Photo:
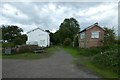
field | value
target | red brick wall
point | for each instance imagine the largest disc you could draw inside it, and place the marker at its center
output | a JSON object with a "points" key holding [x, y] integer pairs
{"points": [[90, 42]]}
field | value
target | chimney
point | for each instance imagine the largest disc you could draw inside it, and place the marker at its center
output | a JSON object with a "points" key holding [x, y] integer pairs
{"points": [[96, 24]]}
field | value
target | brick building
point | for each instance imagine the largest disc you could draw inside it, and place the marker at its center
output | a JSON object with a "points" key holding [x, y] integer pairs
{"points": [[91, 36]]}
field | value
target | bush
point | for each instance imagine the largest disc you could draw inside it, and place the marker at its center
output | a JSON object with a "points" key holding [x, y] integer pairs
{"points": [[96, 50], [10, 44], [89, 51], [67, 42], [108, 59]]}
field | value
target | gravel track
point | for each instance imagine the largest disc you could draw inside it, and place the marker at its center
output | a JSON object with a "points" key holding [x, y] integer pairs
{"points": [[58, 65]]}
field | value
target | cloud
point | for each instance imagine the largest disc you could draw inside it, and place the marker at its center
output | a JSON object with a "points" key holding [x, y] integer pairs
{"points": [[49, 15], [11, 11]]}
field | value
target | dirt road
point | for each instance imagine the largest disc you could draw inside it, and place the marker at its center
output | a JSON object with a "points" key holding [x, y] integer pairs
{"points": [[58, 65]]}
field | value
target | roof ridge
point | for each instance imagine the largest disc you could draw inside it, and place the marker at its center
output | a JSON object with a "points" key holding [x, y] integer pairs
{"points": [[35, 29], [95, 24]]}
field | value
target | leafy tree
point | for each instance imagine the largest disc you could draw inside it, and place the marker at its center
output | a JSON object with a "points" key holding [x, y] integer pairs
{"points": [[67, 42], [9, 32], [68, 29], [12, 33], [76, 41], [21, 39], [0, 34], [109, 36], [56, 37]]}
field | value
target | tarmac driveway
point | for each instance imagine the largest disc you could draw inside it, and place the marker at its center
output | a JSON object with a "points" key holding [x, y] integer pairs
{"points": [[57, 66]]}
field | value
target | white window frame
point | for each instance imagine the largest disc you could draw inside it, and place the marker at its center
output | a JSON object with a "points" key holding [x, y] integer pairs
{"points": [[95, 34]]}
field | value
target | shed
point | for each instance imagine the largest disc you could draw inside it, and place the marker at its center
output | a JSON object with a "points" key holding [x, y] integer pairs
{"points": [[38, 37]]}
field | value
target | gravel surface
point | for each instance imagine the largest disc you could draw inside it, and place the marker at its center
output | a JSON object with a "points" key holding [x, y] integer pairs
{"points": [[58, 65]]}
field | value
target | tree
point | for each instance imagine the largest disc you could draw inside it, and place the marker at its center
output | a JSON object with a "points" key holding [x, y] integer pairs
{"points": [[109, 36], [68, 29], [76, 41], [0, 34], [21, 39], [67, 42], [56, 37], [9, 32], [12, 33]]}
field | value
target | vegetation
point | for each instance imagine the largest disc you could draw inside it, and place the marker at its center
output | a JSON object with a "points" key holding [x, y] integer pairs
{"points": [[49, 52], [67, 42], [102, 60], [12, 34], [0, 55], [68, 29], [109, 36], [100, 65], [10, 44], [107, 59]]}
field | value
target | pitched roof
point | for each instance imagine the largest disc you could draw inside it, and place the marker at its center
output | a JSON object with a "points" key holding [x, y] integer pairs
{"points": [[96, 24], [36, 29]]}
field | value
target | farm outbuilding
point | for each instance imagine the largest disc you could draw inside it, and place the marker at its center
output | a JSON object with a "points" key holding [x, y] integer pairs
{"points": [[38, 37]]}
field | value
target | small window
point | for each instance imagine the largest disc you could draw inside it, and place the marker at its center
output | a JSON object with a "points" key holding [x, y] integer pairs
{"points": [[82, 35], [95, 34]]}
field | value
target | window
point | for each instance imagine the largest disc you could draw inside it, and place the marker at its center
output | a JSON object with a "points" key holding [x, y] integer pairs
{"points": [[82, 35], [95, 34]]}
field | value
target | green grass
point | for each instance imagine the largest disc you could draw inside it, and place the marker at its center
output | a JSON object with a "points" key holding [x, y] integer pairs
{"points": [[49, 52], [86, 61], [102, 72], [74, 52]]}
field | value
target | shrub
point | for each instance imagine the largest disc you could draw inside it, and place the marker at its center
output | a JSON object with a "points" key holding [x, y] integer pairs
{"points": [[89, 51], [10, 44], [67, 42], [107, 59]]}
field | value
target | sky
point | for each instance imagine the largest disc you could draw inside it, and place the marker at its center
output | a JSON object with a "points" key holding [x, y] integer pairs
{"points": [[49, 15]]}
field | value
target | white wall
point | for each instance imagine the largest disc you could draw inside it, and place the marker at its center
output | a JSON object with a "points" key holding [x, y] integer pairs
{"points": [[38, 37]]}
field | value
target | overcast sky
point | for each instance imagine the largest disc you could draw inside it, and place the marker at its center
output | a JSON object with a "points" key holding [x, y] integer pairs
{"points": [[49, 15]]}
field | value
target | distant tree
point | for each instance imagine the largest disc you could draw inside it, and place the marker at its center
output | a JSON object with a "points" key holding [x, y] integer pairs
{"points": [[0, 34], [21, 39], [9, 32], [76, 42], [56, 38], [12, 33], [109, 36], [68, 29], [67, 42]]}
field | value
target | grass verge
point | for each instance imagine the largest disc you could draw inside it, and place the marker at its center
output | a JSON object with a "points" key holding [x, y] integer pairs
{"points": [[49, 52], [102, 72], [87, 62]]}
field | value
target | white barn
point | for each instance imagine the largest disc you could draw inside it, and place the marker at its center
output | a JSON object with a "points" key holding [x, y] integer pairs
{"points": [[38, 37]]}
